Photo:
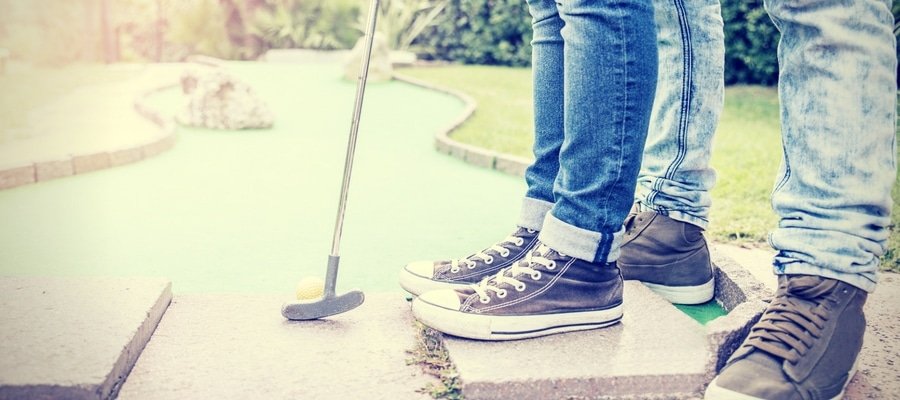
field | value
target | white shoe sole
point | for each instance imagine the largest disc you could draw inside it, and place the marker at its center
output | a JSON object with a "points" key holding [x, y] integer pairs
{"points": [[493, 327], [716, 392], [685, 294], [416, 285]]}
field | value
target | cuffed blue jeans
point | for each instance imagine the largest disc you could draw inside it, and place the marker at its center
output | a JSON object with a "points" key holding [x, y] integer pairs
{"points": [[595, 67], [838, 99]]}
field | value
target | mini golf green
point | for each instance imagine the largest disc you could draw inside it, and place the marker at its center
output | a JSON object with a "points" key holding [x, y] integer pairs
{"points": [[253, 211]]}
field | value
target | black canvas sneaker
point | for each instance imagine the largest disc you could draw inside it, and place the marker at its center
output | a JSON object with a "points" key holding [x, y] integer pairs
{"points": [[668, 256], [421, 276], [803, 348], [547, 292]]}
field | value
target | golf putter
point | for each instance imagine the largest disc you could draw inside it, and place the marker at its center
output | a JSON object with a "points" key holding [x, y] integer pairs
{"points": [[330, 303]]}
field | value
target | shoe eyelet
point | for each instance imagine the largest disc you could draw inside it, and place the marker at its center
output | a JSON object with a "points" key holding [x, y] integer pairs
{"points": [[454, 270], [484, 300], [536, 275], [520, 242], [471, 266], [552, 265], [520, 288], [530, 230], [502, 293], [504, 253], [489, 260]]}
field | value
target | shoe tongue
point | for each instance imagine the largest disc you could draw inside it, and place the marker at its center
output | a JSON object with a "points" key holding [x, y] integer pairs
{"points": [[809, 286], [546, 252], [523, 232]]}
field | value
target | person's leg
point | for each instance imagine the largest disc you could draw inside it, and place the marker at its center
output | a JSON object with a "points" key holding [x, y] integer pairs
{"points": [[664, 245], [838, 96], [547, 69], [570, 282], [548, 75], [609, 81], [676, 177]]}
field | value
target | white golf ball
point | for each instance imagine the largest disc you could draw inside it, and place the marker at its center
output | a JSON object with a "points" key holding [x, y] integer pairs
{"points": [[310, 288]]}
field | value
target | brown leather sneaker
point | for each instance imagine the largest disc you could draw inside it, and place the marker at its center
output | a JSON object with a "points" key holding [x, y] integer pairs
{"points": [[421, 276], [803, 348], [668, 256], [546, 293]]}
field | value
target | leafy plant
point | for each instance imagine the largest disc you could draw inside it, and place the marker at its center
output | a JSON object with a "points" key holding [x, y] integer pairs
{"points": [[490, 32], [431, 355], [198, 26], [310, 24], [751, 40], [402, 21]]}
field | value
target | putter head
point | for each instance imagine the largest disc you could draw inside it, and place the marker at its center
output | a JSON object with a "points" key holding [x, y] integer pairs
{"points": [[323, 307]]}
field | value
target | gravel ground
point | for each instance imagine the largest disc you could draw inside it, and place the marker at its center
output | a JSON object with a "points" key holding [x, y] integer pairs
{"points": [[881, 352]]}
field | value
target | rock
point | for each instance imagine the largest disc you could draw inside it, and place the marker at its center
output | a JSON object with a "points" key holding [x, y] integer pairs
{"points": [[218, 100], [380, 69]]}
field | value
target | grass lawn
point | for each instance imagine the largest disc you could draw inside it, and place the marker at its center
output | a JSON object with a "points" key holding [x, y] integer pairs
{"points": [[747, 147], [23, 90]]}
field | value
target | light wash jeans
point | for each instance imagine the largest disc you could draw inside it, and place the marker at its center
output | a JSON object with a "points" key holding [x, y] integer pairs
{"points": [[676, 177], [595, 68], [838, 93], [838, 99]]}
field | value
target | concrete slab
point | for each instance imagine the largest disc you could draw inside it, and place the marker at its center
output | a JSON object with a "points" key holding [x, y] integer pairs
{"points": [[655, 351], [74, 338], [756, 261], [240, 347]]}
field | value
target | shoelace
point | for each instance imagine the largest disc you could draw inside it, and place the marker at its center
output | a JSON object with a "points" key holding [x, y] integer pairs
{"points": [[509, 274], [498, 247], [791, 325]]}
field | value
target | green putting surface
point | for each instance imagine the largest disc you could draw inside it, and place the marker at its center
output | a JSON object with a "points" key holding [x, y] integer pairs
{"points": [[253, 211], [703, 313]]}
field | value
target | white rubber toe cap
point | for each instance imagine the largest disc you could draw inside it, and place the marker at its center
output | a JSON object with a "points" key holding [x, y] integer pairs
{"points": [[442, 298], [421, 268]]}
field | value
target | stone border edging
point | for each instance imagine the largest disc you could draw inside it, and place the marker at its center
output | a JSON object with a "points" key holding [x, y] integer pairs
{"points": [[83, 163], [470, 154], [745, 298]]}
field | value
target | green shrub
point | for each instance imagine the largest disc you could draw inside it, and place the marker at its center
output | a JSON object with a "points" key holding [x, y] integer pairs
{"points": [[310, 24], [492, 32], [198, 27], [402, 21], [751, 40], [498, 32]]}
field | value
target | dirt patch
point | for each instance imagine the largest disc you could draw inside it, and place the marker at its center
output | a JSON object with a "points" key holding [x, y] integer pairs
{"points": [[881, 350]]}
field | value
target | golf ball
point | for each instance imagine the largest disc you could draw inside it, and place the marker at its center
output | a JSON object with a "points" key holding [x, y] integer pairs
{"points": [[310, 288]]}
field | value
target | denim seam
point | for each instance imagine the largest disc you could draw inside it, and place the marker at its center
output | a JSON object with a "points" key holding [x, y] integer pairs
{"points": [[687, 83], [787, 171], [604, 249], [624, 112]]}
